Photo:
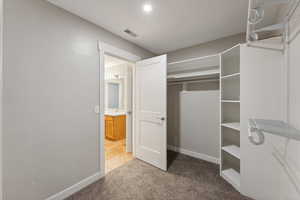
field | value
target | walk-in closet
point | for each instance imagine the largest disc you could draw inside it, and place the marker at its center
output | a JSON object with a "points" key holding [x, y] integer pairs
{"points": [[193, 107], [204, 110]]}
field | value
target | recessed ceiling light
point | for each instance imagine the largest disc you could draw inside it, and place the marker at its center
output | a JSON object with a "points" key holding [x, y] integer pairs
{"points": [[147, 8]]}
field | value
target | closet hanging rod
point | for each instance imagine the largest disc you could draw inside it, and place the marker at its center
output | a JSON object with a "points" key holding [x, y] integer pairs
{"points": [[193, 81]]}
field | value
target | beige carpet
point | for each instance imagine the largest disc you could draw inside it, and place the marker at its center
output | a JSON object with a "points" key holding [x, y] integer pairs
{"points": [[187, 179]]}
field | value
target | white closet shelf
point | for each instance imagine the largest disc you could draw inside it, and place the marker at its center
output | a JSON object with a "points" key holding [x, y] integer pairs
{"points": [[233, 177], [258, 10], [212, 72], [230, 116], [233, 125], [232, 150], [231, 76], [230, 101], [279, 28], [194, 64]]}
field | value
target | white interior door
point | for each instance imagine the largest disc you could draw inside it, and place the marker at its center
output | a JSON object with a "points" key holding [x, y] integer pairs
{"points": [[150, 100]]}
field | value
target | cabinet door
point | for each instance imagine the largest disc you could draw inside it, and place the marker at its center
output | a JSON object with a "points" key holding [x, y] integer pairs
{"points": [[120, 127], [109, 128]]}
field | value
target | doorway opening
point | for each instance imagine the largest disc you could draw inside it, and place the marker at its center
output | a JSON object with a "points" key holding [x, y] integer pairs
{"points": [[118, 112], [138, 97]]}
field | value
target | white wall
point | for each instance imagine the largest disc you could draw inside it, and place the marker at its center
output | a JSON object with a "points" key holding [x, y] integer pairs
{"points": [[268, 180], [51, 85], [1, 86], [289, 191], [262, 96]]}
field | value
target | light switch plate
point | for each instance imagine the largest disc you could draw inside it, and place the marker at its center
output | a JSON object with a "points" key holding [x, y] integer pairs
{"points": [[97, 109]]}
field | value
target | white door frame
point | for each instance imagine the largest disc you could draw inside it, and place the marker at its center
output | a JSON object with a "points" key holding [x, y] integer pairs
{"points": [[120, 53], [1, 96]]}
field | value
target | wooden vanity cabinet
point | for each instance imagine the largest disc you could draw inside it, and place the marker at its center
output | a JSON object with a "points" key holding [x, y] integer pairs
{"points": [[115, 127]]}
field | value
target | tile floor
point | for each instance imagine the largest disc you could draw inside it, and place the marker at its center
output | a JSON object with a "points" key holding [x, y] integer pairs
{"points": [[115, 154]]}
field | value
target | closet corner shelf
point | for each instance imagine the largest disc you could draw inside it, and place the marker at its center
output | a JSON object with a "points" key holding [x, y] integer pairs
{"points": [[233, 177], [233, 125], [231, 76], [232, 150], [230, 101], [275, 127]]}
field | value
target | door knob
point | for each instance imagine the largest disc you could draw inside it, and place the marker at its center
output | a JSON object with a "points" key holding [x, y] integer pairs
{"points": [[161, 118]]}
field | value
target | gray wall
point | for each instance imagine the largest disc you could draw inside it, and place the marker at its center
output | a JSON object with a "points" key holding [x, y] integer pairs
{"points": [[212, 47], [51, 85]]}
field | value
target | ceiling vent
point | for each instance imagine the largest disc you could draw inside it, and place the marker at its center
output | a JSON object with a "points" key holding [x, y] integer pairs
{"points": [[129, 32]]}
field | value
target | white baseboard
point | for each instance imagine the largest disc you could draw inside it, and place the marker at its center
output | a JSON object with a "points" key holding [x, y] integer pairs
{"points": [[77, 187], [194, 154]]}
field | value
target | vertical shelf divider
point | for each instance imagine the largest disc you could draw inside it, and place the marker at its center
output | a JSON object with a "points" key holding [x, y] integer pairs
{"points": [[230, 116]]}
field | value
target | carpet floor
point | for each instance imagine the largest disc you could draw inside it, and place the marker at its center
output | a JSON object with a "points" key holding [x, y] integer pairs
{"points": [[186, 179]]}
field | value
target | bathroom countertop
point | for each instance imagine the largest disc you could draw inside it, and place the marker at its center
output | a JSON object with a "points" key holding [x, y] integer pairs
{"points": [[115, 113]]}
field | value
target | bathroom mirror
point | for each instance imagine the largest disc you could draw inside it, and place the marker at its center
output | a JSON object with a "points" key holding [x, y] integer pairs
{"points": [[114, 94]]}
